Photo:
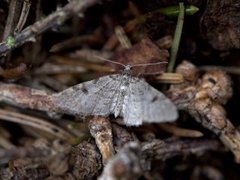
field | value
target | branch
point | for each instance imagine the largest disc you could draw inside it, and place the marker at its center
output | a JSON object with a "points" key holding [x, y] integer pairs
{"points": [[55, 19]]}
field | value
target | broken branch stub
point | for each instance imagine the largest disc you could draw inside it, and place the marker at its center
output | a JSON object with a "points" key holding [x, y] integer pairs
{"points": [[100, 128]]}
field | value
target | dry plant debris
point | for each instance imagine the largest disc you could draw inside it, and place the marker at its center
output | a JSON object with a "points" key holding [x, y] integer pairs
{"points": [[47, 47], [204, 102]]}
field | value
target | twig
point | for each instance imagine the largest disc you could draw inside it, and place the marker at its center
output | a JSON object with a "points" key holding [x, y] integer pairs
{"points": [[33, 99], [23, 16], [5, 143], [163, 150], [177, 131], [122, 37], [172, 78], [100, 128], [50, 68], [36, 123], [55, 19], [13, 14]]}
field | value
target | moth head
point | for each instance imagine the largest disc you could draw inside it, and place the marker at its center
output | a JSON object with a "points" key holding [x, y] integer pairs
{"points": [[127, 69]]}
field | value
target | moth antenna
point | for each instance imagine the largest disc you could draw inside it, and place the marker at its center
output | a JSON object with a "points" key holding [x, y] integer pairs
{"points": [[107, 60], [148, 64]]}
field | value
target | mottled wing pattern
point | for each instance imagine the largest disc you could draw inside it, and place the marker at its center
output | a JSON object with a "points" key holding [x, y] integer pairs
{"points": [[143, 103], [89, 98]]}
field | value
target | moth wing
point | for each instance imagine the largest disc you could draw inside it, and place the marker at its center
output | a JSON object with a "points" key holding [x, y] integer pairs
{"points": [[143, 103], [132, 106], [89, 98]]}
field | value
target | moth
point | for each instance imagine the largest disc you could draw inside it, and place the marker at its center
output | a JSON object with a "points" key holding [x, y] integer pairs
{"points": [[124, 95]]}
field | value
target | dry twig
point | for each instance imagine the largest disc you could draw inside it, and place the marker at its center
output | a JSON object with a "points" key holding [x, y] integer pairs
{"points": [[36, 123], [55, 19]]}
